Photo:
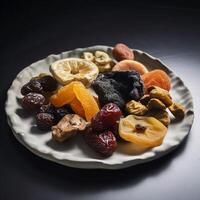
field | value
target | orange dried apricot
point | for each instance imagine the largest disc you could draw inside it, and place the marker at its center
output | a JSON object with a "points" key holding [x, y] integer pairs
{"points": [[77, 107], [64, 95], [156, 78], [87, 101]]}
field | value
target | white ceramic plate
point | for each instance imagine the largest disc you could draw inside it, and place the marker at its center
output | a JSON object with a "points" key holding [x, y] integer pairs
{"points": [[75, 152]]}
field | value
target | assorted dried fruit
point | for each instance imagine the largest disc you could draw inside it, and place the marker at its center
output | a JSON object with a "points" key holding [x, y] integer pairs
{"points": [[129, 65], [67, 127], [74, 69], [42, 84], [118, 87], [142, 130], [125, 101], [156, 78], [101, 59], [122, 52]]}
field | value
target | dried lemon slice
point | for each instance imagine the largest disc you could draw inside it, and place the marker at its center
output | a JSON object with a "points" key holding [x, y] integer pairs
{"points": [[143, 131], [74, 69]]}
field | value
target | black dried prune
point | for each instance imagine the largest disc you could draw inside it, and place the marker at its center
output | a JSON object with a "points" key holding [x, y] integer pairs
{"points": [[45, 121], [48, 83], [33, 101], [118, 87], [104, 143]]}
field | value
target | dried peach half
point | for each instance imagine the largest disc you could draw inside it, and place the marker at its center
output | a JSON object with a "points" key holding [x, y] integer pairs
{"points": [[156, 78], [141, 130]]}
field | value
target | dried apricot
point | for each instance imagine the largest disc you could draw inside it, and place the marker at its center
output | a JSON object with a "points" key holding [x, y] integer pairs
{"points": [[87, 101], [77, 107], [64, 95], [156, 78]]}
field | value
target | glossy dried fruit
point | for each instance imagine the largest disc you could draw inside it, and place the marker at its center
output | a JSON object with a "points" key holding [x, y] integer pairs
{"points": [[136, 108], [33, 101], [129, 65], [177, 110], [41, 84], [48, 108], [122, 52], [118, 87], [156, 78], [104, 143], [87, 101], [45, 121], [32, 86], [106, 118], [48, 83]]}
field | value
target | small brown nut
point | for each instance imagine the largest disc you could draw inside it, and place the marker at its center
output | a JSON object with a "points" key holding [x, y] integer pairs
{"points": [[136, 108], [156, 104], [67, 127], [162, 95], [177, 110], [145, 99], [122, 52], [161, 115]]}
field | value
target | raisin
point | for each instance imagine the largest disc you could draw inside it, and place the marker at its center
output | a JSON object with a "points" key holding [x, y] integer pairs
{"points": [[45, 121], [104, 144], [48, 83], [49, 108], [118, 87], [33, 101], [62, 111], [106, 117]]}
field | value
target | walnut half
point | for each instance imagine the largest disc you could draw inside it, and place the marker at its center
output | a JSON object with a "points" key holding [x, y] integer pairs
{"points": [[67, 127]]}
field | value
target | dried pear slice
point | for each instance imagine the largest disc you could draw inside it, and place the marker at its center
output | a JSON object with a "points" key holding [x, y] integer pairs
{"points": [[143, 131], [74, 69]]}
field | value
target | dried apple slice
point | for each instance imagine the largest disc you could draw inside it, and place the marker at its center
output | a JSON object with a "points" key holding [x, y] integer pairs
{"points": [[143, 131]]}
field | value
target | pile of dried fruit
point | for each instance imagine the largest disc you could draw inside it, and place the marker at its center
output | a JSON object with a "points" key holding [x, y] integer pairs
{"points": [[125, 101]]}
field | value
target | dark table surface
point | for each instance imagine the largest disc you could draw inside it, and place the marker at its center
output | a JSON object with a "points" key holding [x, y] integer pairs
{"points": [[169, 32]]}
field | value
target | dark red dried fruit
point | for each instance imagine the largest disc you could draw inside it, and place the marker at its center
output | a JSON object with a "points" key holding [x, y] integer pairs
{"points": [[32, 86], [105, 143], [41, 85], [106, 117], [48, 83], [122, 52], [33, 101], [49, 108], [45, 121]]}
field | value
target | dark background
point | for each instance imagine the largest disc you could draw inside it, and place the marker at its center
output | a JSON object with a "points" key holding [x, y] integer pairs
{"points": [[32, 30]]}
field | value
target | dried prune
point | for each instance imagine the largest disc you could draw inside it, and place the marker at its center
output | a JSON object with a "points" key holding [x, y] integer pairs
{"points": [[45, 121], [118, 87], [104, 144], [48, 83], [106, 117], [33, 101], [41, 85], [32, 86]]}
